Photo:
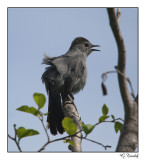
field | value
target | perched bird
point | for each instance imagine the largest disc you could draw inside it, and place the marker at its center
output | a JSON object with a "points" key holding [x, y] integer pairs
{"points": [[65, 75]]}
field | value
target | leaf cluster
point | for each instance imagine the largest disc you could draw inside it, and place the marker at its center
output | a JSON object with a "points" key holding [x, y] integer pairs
{"points": [[117, 125], [40, 100]]}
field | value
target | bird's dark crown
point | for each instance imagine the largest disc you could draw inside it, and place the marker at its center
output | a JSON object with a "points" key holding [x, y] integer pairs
{"points": [[79, 40]]}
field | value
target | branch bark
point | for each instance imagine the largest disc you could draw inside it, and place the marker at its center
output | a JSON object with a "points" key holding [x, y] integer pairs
{"points": [[129, 136], [70, 111]]}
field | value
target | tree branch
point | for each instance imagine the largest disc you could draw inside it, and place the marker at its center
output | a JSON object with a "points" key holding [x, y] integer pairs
{"points": [[129, 136], [45, 129], [15, 139], [70, 111], [105, 147], [104, 77], [121, 56], [59, 139]]}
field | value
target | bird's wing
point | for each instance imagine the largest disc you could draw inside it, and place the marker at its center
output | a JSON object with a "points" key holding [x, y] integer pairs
{"points": [[61, 63], [65, 64]]}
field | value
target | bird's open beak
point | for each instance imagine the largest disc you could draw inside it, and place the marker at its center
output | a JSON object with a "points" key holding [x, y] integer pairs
{"points": [[95, 46]]}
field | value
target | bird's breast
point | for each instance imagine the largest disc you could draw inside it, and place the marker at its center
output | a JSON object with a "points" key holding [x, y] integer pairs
{"points": [[79, 78]]}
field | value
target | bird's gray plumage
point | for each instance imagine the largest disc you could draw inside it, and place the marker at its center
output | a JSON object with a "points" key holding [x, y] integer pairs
{"points": [[66, 75]]}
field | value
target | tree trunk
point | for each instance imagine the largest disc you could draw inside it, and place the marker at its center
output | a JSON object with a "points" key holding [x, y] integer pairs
{"points": [[129, 136]]}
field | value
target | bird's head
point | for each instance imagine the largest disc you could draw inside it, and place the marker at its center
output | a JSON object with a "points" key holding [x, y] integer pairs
{"points": [[83, 45]]}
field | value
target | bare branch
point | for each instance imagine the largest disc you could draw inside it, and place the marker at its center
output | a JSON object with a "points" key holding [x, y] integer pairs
{"points": [[45, 129], [112, 121], [105, 147], [59, 139], [104, 77], [48, 142], [15, 138], [129, 136], [121, 58]]}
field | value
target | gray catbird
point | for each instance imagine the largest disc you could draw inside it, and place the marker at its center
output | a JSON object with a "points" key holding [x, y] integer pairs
{"points": [[66, 75]]}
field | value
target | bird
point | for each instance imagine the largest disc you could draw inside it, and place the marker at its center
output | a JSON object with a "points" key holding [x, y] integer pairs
{"points": [[64, 76]]}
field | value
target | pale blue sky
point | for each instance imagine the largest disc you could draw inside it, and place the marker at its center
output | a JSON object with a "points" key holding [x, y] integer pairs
{"points": [[35, 31]]}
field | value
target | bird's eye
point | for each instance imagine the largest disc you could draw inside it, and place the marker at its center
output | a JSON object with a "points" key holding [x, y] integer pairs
{"points": [[86, 45]]}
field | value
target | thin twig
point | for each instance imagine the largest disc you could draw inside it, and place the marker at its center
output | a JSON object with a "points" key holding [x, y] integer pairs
{"points": [[15, 130], [114, 120], [55, 140], [42, 121], [128, 80], [59, 139], [119, 119], [104, 77], [15, 139], [105, 147], [132, 90], [85, 138]]}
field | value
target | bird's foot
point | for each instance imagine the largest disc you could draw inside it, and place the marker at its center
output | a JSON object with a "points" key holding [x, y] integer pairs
{"points": [[70, 101]]}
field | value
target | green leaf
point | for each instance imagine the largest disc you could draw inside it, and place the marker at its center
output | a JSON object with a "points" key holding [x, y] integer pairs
{"points": [[69, 126], [118, 126], [69, 141], [105, 110], [40, 99], [113, 117], [102, 118], [22, 132], [87, 128], [27, 109]]}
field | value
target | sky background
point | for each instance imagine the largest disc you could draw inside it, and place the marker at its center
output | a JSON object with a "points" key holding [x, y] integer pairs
{"points": [[35, 31]]}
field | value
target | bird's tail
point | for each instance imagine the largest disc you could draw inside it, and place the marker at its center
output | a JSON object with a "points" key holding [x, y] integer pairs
{"points": [[55, 115]]}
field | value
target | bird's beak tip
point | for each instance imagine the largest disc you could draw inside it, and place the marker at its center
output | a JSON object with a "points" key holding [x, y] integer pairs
{"points": [[95, 46]]}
